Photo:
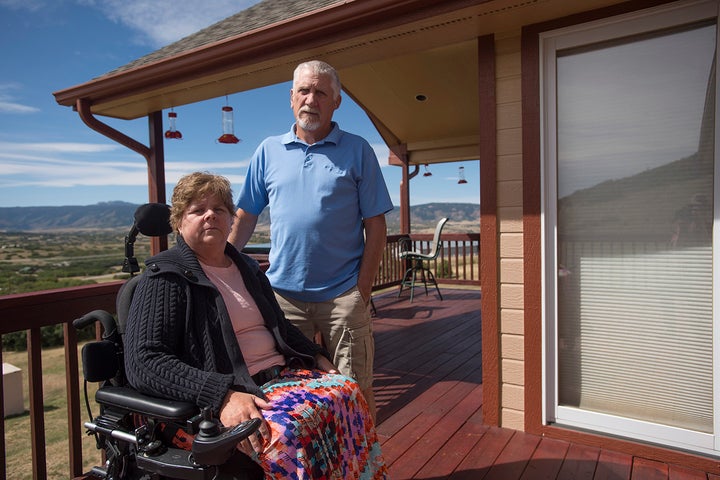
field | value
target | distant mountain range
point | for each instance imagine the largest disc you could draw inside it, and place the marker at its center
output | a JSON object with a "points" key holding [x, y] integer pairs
{"points": [[116, 215], [101, 215]]}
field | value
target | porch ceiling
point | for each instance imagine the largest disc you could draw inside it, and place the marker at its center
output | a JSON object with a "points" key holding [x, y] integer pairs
{"points": [[388, 52]]}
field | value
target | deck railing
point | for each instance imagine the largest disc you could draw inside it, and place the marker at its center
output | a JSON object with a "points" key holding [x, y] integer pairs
{"points": [[457, 264], [31, 312]]}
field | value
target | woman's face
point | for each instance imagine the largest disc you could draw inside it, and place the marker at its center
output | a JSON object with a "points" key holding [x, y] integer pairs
{"points": [[206, 224]]}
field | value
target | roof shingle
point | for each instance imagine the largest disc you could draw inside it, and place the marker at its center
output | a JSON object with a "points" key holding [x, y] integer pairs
{"points": [[260, 15]]}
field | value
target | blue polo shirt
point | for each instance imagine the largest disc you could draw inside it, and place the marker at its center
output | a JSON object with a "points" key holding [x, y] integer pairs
{"points": [[318, 195]]}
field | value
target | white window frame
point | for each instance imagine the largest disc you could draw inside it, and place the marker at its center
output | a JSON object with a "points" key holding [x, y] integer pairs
{"points": [[666, 16]]}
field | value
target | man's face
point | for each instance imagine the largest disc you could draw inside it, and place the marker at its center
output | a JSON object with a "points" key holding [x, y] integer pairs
{"points": [[313, 101]]}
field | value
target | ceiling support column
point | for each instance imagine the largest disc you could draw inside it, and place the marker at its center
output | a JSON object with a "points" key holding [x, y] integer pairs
{"points": [[399, 156], [156, 171], [489, 235]]}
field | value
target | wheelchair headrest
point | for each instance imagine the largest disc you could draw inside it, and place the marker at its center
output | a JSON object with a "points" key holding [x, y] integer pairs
{"points": [[153, 219]]}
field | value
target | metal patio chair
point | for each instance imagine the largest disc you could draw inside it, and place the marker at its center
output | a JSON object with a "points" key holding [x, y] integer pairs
{"points": [[417, 263]]}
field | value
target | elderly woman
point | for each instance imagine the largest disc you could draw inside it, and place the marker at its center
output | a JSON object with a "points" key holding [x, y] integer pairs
{"points": [[204, 327]]}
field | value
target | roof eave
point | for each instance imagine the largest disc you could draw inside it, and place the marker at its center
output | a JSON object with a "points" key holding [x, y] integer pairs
{"points": [[297, 34]]}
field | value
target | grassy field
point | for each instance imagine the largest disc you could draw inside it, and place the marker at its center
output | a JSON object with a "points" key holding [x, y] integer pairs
{"points": [[17, 428], [32, 261]]}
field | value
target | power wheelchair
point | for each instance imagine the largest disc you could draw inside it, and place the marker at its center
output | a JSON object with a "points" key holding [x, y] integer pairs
{"points": [[129, 426]]}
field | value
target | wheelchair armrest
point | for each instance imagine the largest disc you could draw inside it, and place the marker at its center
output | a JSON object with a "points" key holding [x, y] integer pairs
{"points": [[160, 408]]}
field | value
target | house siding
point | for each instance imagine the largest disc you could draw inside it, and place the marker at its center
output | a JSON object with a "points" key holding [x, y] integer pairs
{"points": [[510, 226]]}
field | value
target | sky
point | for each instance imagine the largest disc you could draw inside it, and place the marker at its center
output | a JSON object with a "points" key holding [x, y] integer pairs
{"points": [[48, 157]]}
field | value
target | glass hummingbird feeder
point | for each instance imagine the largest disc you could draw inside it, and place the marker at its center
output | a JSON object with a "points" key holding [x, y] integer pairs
{"points": [[461, 175], [228, 135], [172, 131]]}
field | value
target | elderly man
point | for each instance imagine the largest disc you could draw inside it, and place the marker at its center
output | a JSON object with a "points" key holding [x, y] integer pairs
{"points": [[327, 201]]}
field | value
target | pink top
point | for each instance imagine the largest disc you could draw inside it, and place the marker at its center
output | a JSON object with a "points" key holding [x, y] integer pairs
{"points": [[256, 341]]}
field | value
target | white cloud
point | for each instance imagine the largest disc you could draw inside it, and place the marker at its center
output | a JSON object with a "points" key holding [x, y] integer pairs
{"points": [[57, 147], [92, 164], [8, 103], [172, 177], [382, 152], [59, 173], [209, 166], [164, 21], [32, 5], [67, 164], [11, 107]]}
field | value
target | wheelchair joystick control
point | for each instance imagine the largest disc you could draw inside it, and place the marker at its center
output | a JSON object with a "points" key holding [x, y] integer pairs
{"points": [[214, 444], [208, 426]]}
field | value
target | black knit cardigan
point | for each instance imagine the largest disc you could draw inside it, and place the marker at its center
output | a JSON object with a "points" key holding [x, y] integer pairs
{"points": [[179, 341]]}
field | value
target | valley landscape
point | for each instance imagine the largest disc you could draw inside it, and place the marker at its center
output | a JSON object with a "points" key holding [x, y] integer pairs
{"points": [[45, 248]]}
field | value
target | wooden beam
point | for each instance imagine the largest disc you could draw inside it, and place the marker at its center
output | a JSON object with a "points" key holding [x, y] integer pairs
{"points": [[489, 251], [156, 172]]}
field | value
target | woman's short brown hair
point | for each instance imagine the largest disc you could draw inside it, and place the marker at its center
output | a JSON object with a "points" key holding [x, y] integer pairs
{"points": [[197, 185]]}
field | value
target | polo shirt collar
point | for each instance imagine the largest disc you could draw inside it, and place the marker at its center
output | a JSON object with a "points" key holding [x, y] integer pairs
{"points": [[332, 137]]}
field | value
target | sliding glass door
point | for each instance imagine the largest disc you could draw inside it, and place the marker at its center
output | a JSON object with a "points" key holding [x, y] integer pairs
{"points": [[629, 110]]}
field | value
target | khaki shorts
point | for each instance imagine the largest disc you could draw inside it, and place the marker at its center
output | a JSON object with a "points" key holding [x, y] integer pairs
{"points": [[346, 327]]}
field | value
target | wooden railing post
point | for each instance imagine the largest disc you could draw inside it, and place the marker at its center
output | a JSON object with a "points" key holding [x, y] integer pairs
{"points": [[3, 460], [73, 400], [37, 410]]}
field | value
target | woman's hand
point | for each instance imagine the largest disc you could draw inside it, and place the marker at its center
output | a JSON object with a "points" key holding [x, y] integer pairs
{"points": [[324, 364], [239, 407]]}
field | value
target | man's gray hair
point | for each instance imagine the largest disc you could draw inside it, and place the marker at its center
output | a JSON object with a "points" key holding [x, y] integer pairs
{"points": [[319, 67]]}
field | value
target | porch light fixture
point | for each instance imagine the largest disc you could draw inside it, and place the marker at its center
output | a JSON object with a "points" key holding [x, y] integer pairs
{"points": [[172, 131], [228, 135], [461, 175], [427, 173]]}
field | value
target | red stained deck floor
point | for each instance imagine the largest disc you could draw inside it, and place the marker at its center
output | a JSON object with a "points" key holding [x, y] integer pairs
{"points": [[429, 398]]}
